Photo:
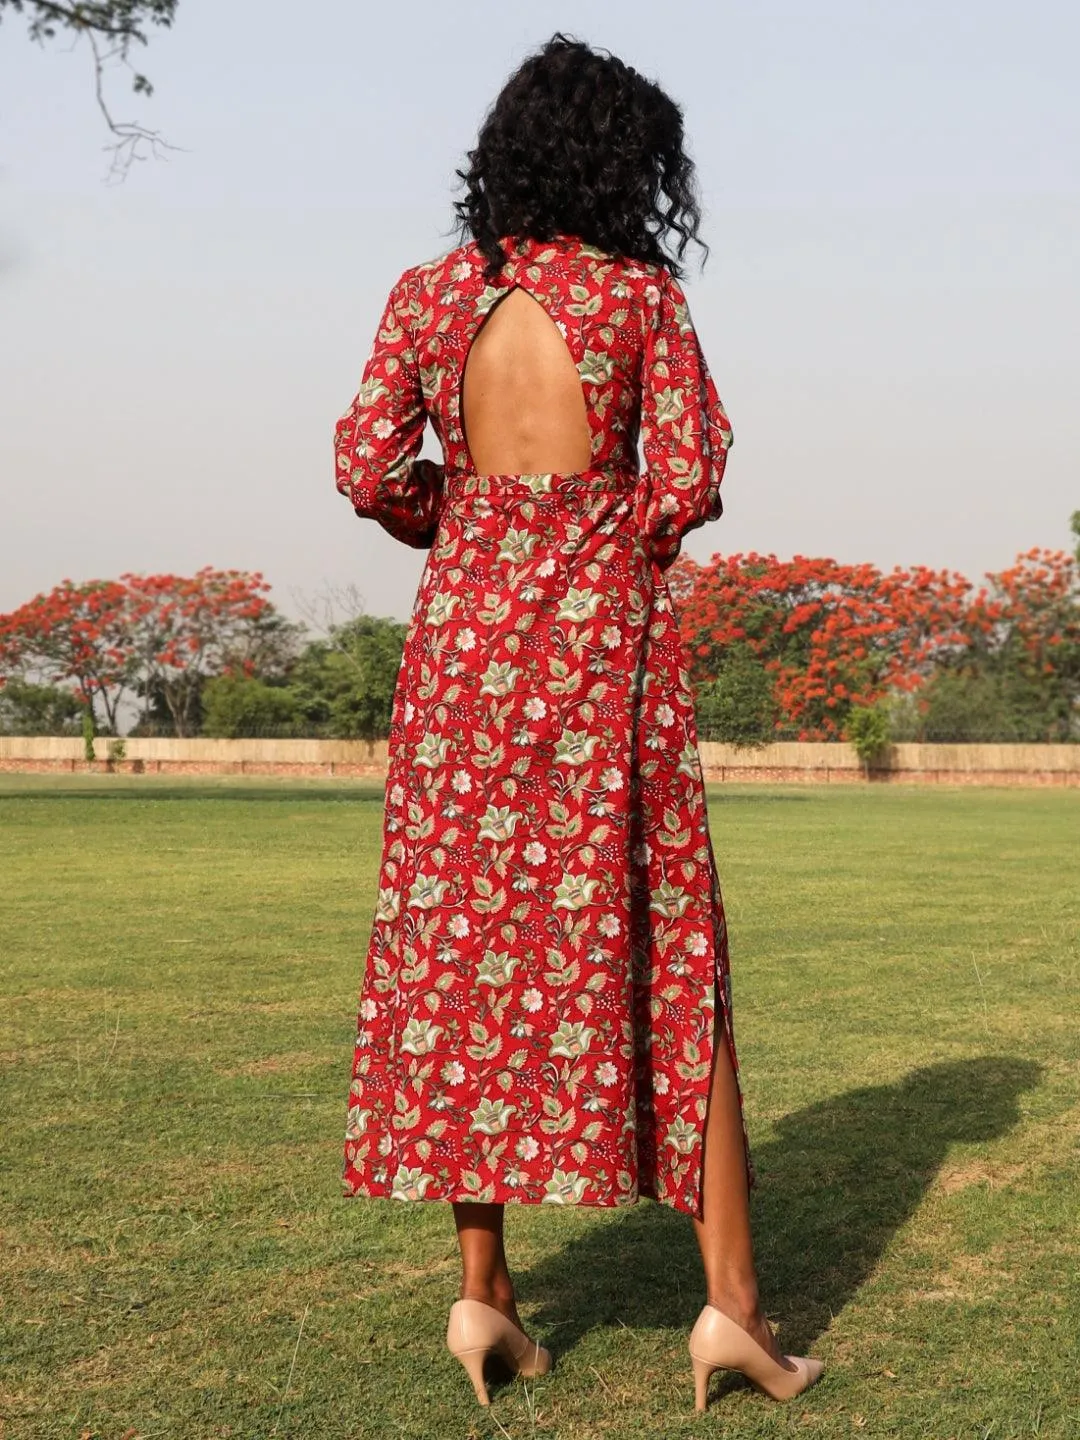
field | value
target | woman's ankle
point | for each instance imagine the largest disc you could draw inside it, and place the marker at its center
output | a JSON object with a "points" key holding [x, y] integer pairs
{"points": [[500, 1298], [740, 1303], [498, 1291]]}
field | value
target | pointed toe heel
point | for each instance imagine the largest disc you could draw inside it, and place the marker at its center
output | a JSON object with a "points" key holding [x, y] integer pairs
{"points": [[475, 1331], [719, 1343]]}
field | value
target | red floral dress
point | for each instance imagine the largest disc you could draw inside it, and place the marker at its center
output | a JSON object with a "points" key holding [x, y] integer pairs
{"points": [[549, 952]]}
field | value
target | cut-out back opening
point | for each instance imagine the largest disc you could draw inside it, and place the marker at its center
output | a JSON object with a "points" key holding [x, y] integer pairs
{"points": [[522, 406]]}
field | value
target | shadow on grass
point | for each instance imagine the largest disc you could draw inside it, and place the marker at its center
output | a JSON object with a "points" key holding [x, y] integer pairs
{"points": [[361, 790], [282, 792], [834, 1185]]}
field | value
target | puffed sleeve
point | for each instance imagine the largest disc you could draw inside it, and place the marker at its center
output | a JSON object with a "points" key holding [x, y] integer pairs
{"points": [[685, 434], [377, 440]]}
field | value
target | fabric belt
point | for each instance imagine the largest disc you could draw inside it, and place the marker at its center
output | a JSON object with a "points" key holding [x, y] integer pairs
{"points": [[466, 484]]}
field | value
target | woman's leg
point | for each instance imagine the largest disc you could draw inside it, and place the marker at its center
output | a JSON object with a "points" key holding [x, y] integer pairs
{"points": [[723, 1232], [485, 1275]]}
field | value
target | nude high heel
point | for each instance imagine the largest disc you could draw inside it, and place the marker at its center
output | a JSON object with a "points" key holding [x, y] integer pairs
{"points": [[718, 1342], [476, 1330]]}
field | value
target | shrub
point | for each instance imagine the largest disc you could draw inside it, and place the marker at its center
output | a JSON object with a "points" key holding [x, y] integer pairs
{"points": [[868, 732], [235, 706], [738, 707], [88, 735]]}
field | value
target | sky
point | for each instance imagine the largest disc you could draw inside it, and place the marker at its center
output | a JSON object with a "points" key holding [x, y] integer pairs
{"points": [[890, 307]]}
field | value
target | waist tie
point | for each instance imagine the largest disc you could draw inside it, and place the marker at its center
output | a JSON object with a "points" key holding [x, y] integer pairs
{"points": [[466, 484]]}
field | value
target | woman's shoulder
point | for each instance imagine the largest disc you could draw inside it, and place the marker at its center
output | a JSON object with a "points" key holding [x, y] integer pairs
{"points": [[467, 260], [595, 280], [457, 264]]}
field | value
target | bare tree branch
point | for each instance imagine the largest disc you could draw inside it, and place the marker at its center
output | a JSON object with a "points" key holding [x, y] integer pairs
{"points": [[134, 142], [328, 611], [110, 27]]}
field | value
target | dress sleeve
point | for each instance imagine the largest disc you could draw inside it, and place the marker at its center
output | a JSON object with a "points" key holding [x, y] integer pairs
{"points": [[685, 434], [377, 440]]}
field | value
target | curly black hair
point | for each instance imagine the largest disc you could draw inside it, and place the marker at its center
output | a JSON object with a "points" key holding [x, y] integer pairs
{"points": [[579, 143]]}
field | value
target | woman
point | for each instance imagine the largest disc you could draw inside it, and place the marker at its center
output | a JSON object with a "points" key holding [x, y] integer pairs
{"points": [[546, 1009]]}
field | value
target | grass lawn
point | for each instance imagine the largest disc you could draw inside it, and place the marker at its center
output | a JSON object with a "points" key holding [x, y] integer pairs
{"points": [[179, 963]]}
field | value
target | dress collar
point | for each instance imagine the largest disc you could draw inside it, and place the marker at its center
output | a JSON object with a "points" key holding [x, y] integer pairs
{"points": [[524, 243]]}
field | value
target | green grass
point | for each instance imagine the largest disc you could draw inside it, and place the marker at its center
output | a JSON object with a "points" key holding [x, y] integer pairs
{"points": [[180, 962]]}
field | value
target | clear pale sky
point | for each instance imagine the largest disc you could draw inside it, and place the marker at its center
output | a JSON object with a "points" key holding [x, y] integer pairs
{"points": [[891, 308]]}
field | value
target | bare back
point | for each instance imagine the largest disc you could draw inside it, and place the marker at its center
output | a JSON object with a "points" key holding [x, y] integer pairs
{"points": [[522, 405]]}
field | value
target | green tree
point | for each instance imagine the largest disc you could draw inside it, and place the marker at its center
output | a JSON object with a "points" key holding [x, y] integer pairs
{"points": [[738, 707], [237, 706], [344, 685], [27, 709], [981, 703]]}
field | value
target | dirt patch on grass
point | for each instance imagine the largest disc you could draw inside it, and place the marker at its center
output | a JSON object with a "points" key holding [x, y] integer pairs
{"points": [[1037, 1146], [995, 1174], [967, 1277], [33, 1055]]}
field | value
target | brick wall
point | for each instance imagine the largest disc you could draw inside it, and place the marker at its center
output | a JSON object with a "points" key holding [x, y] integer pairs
{"points": [[785, 762]]}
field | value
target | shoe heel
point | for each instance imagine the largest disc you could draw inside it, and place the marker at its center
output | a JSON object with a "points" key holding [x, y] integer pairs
{"points": [[702, 1371], [473, 1360]]}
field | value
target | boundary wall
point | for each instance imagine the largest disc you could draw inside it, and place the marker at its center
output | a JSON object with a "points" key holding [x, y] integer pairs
{"points": [[784, 762]]}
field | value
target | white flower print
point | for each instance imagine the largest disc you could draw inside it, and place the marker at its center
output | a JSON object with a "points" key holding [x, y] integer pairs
{"points": [[534, 853]]}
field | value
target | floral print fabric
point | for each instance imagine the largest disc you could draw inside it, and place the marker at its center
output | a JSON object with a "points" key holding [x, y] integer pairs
{"points": [[548, 957]]}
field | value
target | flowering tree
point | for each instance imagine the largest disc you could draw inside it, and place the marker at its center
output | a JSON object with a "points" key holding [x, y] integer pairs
{"points": [[775, 647], [157, 636], [75, 634], [185, 629], [830, 636], [1024, 633]]}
